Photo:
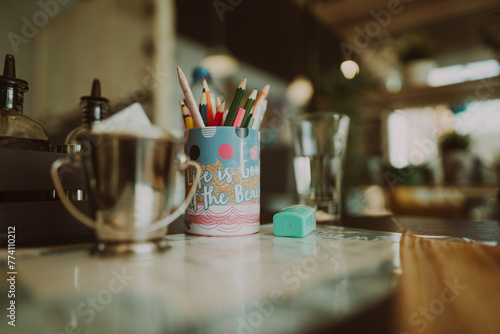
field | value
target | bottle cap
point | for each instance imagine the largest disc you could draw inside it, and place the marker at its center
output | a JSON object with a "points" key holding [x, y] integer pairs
{"points": [[95, 94], [201, 72], [9, 74], [95, 107]]}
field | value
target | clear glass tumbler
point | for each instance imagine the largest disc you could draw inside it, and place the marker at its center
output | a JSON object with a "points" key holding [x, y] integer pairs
{"points": [[320, 141]]}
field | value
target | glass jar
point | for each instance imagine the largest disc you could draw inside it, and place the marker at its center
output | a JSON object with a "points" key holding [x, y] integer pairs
{"points": [[17, 130]]}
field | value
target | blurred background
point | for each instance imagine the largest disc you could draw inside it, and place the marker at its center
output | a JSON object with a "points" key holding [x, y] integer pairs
{"points": [[419, 79]]}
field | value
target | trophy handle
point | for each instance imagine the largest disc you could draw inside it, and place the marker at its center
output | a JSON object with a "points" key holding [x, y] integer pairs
{"points": [[73, 210], [180, 210], [92, 223]]}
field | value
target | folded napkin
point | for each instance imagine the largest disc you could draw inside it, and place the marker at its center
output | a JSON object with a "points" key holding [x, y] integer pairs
{"points": [[132, 121]]}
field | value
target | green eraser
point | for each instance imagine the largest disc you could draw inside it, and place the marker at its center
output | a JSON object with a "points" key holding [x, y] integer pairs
{"points": [[294, 221]]}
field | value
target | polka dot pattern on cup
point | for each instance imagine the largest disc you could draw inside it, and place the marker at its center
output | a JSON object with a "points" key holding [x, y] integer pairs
{"points": [[226, 151], [254, 153], [194, 152]]}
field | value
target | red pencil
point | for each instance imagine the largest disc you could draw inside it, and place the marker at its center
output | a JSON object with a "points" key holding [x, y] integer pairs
{"points": [[219, 115]]}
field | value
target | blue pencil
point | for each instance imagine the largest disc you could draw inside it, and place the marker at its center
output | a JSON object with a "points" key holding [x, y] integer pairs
{"points": [[204, 107]]}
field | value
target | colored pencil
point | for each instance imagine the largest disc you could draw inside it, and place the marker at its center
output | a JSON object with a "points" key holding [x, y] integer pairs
{"points": [[238, 96], [217, 103], [250, 123], [224, 117], [219, 114], [222, 107], [190, 101], [248, 106], [188, 120], [218, 118], [258, 122], [189, 123], [210, 112], [184, 109], [239, 117], [257, 112], [204, 107], [263, 94]]}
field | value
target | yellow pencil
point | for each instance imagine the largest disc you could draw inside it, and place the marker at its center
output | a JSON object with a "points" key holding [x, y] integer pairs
{"points": [[189, 123], [188, 119]]}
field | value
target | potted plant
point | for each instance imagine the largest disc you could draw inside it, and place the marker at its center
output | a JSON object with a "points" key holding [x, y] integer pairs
{"points": [[415, 52], [458, 161]]}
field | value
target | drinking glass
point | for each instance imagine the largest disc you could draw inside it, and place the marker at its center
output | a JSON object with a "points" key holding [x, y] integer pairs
{"points": [[320, 140]]}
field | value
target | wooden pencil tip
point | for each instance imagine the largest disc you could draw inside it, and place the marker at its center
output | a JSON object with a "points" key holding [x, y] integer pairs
{"points": [[243, 83], [266, 88], [253, 95]]}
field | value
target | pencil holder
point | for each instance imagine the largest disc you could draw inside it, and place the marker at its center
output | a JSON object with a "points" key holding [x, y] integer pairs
{"points": [[227, 200]]}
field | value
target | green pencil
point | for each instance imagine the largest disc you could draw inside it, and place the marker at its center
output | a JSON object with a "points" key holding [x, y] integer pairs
{"points": [[235, 105], [248, 106], [250, 122]]}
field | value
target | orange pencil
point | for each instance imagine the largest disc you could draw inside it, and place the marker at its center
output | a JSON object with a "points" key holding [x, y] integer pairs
{"points": [[262, 95], [210, 113]]}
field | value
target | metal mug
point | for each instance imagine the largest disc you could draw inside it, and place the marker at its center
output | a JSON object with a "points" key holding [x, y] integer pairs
{"points": [[131, 182]]}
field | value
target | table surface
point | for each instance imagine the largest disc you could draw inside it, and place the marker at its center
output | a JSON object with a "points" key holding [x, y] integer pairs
{"points": [[485, 230], [252, 284]]}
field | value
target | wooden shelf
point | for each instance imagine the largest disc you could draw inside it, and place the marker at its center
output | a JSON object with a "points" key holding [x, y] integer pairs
{"points": [[418, 97]]}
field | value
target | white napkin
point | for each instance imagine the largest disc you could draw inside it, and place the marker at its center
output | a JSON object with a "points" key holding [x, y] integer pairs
{"points": [[131, 117], [131, 120]]}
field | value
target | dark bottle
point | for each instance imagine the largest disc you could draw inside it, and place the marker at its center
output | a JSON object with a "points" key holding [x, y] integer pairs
{"points": [[95, 108], [16, 129]]}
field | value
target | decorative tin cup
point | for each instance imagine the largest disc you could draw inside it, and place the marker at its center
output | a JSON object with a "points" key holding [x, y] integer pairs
{"points": [[227, 200]]}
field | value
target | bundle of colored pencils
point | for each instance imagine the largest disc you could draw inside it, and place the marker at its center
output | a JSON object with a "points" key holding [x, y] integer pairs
{"points": [[250, 116]]}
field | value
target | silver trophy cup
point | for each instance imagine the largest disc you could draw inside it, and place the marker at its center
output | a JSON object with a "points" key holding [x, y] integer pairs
{"points": [[131, 182]]}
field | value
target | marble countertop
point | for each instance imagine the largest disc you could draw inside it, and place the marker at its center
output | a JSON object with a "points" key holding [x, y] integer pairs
{"points": [[253, 284]]}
